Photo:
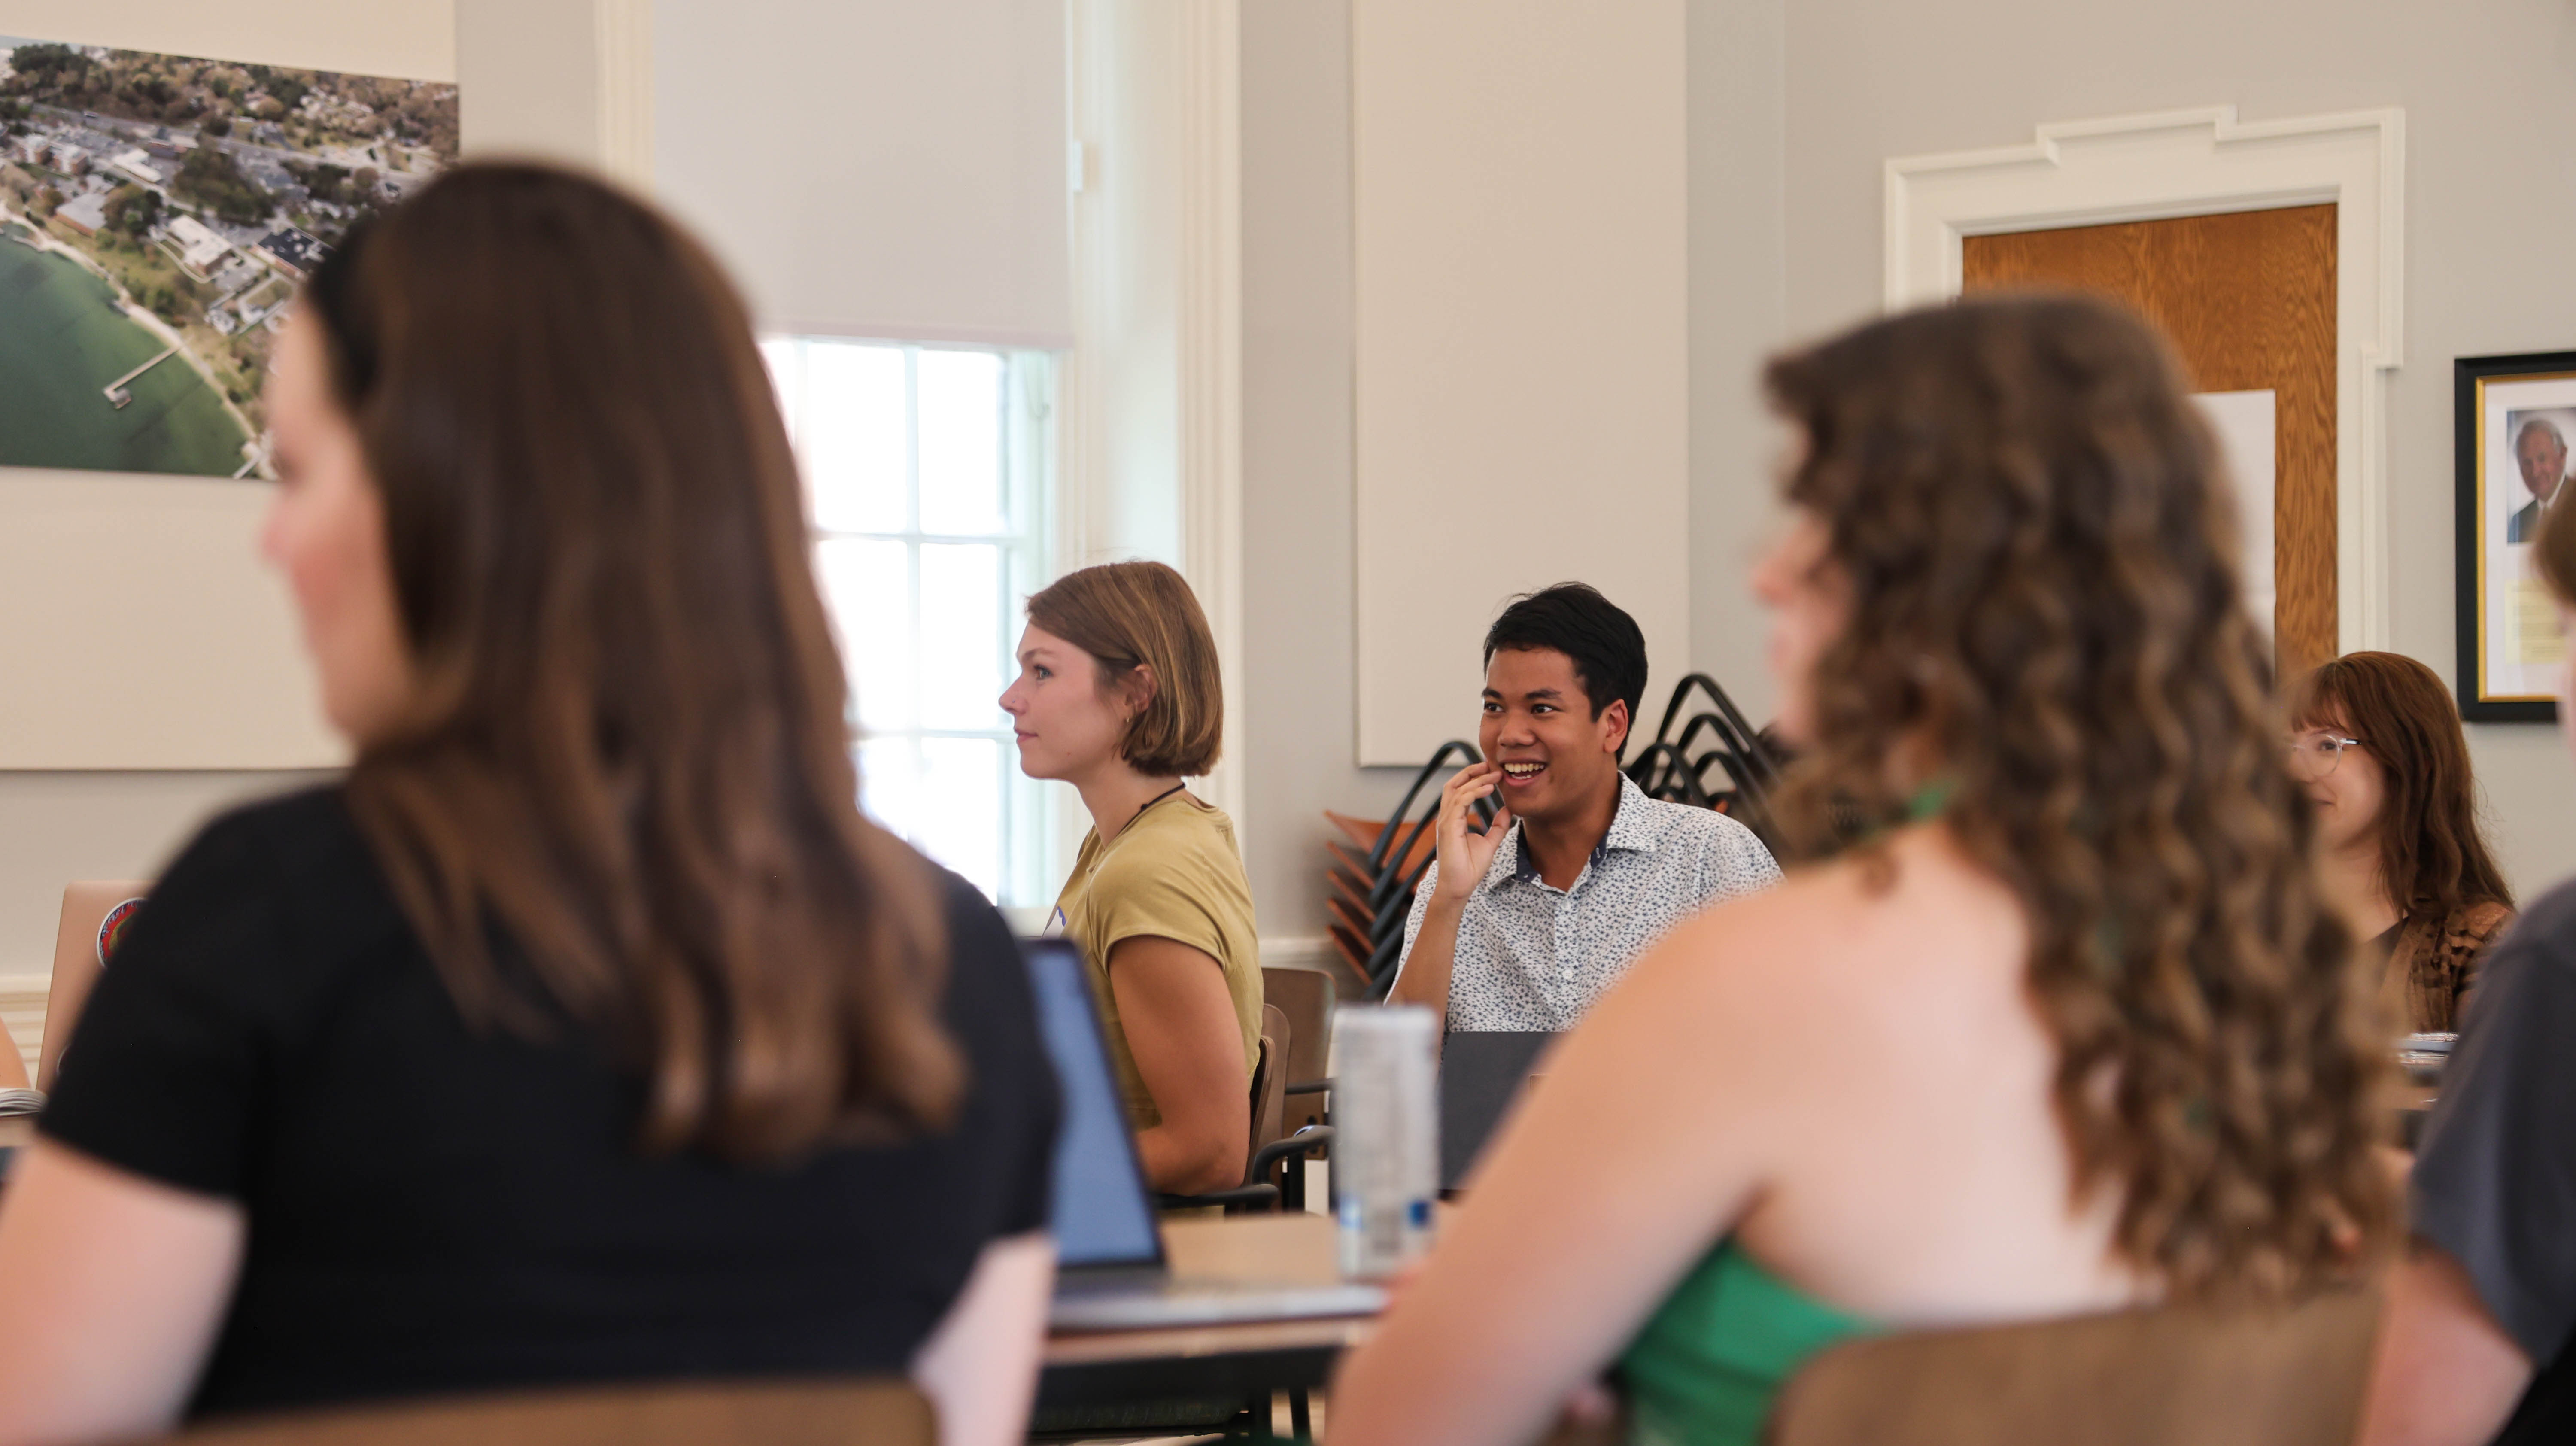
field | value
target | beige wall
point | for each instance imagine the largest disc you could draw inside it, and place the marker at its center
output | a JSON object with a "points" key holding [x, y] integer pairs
{"points": [[2489, 209]]}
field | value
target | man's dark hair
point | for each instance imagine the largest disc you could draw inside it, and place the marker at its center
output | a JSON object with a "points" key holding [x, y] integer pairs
{"points": [[1608, 649]]}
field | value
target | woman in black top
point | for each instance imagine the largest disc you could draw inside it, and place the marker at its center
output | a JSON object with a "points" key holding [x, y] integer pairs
{"points": [[585, 1032]]}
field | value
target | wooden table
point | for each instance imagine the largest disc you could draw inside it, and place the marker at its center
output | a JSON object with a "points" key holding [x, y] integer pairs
{"points": [[1248, 1358]]}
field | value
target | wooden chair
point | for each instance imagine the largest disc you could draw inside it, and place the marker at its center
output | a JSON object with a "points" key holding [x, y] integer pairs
{"points": [[1271, 1141], [881, 1412], [2186, 1376], [1306, 997], [77, 960]]}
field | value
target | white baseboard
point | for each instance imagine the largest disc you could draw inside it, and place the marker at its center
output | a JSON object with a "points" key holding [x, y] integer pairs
{"points": [[22, 1013], [1297, 951]]}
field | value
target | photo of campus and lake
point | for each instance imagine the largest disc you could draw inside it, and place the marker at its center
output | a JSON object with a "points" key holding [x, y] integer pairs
{"points": [[156, 212]]}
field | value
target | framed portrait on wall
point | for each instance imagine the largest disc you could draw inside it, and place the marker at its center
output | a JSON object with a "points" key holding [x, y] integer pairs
{"points": [[2515, 421]]}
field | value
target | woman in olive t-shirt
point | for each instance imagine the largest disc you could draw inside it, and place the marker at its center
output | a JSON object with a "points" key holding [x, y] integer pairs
{"points": [[1118, 694]]}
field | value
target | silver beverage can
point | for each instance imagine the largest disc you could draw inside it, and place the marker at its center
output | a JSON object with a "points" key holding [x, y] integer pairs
{"points": [[1386, 1135]]}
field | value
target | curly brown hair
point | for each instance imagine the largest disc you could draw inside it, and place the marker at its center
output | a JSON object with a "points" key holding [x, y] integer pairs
{"points": [[2432, 855], [2042, 567]]}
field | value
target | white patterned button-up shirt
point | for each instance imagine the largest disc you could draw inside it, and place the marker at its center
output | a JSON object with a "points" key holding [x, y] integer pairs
{"points": [[1531, 957]]}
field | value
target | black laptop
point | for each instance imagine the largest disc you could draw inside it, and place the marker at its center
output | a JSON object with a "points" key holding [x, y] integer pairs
{"points": [[1110, 1270], [1482, 1074]]}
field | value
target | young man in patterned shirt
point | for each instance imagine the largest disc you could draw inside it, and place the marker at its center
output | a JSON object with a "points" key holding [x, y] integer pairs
{"points": [[1520, 927]]}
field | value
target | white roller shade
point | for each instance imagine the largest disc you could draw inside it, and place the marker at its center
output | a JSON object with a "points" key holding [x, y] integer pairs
{"points": [[873, 168]]}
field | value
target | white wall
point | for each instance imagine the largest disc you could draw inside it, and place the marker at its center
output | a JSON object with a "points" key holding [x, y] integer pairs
{"points": [[2491, 199]]}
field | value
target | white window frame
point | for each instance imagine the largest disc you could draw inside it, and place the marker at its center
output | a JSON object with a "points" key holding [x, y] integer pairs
{"points": [[1030, 867]]}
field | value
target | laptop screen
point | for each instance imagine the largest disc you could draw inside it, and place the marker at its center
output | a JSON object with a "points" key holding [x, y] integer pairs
{"points": [[1101, 1214]]}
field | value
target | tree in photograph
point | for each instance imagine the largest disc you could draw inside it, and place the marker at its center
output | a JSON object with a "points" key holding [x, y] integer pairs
{"points": [[133, 210], [210, 178], [46, 70], [218, 124]]}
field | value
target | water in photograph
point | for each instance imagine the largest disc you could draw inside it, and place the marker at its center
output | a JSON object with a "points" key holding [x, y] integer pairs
{"points": [[62, 340]]}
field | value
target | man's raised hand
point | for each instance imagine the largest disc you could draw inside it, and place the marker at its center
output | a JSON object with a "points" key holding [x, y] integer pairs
{"points": [[1464, 853]]}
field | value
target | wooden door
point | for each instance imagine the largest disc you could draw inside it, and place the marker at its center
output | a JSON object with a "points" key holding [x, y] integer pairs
{"points": [[2248, 300]]}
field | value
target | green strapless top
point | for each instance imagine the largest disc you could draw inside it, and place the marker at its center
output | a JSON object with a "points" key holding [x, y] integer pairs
{"points": [[1712, 1359]]}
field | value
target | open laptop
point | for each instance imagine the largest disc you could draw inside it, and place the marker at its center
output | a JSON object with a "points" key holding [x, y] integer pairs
{"points": [[1482, 1074], [1110, 1269]]}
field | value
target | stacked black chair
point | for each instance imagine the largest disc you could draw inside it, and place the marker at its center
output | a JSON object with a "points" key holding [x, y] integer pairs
{"points": [[1373, 891], [1711, 758]]}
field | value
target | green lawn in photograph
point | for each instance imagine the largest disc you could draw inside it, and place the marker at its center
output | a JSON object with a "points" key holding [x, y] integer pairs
{"points": [[62, 340]]}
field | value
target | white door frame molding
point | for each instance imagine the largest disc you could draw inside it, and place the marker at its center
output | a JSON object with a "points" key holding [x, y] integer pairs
{"points": [[622, 31], [1150, 420], [2199, 162]]}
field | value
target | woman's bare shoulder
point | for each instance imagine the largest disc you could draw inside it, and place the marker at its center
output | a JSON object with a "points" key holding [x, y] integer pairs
{"points": [[1840, 938]]}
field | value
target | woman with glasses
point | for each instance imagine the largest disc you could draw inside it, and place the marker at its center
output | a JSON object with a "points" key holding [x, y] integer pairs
{"points": [[2377, 745]]}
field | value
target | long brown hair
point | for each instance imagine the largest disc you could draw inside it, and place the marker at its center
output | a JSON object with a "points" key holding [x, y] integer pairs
{"points": [[627, 748], [2042, 567], [2432, 855]]}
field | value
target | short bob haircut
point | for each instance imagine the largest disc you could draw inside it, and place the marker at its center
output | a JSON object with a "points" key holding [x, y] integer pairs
{"points": [[1128, 615]]}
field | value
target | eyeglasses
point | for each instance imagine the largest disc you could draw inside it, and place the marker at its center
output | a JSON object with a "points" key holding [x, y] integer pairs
{"points": [[2315, 755]]}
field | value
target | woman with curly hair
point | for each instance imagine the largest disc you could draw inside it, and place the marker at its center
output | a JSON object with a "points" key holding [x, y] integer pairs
{"points": [[2071, 1026], [2378, 744]]}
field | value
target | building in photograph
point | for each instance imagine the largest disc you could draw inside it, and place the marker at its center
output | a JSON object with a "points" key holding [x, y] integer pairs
{"points": [[136, 166], [292, 251], [196, 247], [86, 213]]}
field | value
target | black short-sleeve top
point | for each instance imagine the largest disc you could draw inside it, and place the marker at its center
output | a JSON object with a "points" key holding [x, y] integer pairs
{"points": [[2494, 1184], [434, 1208]]}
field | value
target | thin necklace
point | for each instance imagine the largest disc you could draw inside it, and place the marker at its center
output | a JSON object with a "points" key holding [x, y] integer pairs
{"points": [[1140, 812]]}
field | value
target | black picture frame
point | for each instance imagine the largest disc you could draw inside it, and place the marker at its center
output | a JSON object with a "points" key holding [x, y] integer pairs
{"points": [[2470, 376]]}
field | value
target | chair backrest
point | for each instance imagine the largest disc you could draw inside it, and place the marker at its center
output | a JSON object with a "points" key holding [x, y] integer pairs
{"points": [[13, 1065], [1305, 996], [768, 1413], [1269, 1087], [2182, 1376], [86, 905]]}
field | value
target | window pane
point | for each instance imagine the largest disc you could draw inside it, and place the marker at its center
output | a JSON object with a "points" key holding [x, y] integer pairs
{"points": [[964, 829], [867, 585], [853, 438], [961, 635], [890, 783], [961, 442], [786, 362]]}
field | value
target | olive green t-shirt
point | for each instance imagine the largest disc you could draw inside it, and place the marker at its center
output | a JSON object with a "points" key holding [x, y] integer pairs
{"points": [[1172, 873]]}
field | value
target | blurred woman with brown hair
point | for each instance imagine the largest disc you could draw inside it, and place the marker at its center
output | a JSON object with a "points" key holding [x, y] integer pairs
{"points": [[585, 1032], [2071, 1027], [2378, 744]]}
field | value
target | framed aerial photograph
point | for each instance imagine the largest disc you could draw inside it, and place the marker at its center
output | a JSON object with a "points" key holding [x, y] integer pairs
{"points": [[156, 213], [2515, 420]]}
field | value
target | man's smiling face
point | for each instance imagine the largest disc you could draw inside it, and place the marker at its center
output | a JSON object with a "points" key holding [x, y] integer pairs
{"points": [[1539, 725]]}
